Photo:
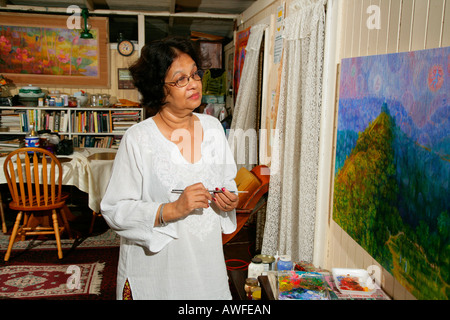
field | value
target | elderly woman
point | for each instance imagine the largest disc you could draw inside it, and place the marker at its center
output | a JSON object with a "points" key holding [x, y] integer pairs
{"points": [[172, 190]]}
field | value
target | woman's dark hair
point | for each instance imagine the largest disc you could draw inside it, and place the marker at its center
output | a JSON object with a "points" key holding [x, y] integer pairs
{"points": [[149, 71]]}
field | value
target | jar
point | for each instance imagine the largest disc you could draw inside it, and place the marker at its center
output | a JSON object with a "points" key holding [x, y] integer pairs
{"points": [[59, 102], [81, 100], [250, 283], [268, 261], [255, 268], [65, 100], [56, 97], [43, 140], [31, 91], [72, 102], [285, 263], [256, 293], [105, 98]]}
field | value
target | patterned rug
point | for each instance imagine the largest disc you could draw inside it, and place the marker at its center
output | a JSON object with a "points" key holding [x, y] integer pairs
{"points": [[48, 280], [107, 239]]}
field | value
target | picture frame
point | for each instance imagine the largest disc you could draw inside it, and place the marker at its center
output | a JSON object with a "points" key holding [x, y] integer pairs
{"points": [[211, 54], [46, 50], [124, 79]]}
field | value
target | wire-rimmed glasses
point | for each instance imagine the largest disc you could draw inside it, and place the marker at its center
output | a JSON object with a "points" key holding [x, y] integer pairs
{"points": [[184, 80]]}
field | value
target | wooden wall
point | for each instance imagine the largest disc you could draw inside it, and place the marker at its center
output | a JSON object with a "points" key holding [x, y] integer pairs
{"points": [[406, 25]]}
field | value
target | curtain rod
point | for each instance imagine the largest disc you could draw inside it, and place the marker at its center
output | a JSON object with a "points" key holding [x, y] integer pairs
{"points": [[36, 9]]}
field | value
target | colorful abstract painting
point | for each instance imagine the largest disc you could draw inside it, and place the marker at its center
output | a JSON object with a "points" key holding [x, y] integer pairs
{"points": [[48, 51], [392, 170]]}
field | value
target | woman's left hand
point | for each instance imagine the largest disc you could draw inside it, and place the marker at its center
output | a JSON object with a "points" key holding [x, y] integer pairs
{"points": [[226, 201]]}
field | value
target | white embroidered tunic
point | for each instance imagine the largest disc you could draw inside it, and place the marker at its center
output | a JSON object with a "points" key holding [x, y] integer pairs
{"points": [[183, 260]]}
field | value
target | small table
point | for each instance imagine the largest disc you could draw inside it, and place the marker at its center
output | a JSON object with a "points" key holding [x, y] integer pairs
{"points": [[87, 169]]}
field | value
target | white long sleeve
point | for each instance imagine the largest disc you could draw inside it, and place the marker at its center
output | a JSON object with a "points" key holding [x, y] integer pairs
{"points": [[147, 167], [125, 208]]}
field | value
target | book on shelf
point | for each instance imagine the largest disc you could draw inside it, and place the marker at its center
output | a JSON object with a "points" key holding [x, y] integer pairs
{"points": [[64, 122], [9, 145], [106, 126], [20, 120], [15, 143], [122, 125], [92, 122], [10, 121], [93, 141], [124, 119]]}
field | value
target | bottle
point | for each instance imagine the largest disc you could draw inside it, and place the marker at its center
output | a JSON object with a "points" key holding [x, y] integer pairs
{"points": [[255, 268], [99, 100], [32, 138], [94, 100], [285, 263]]}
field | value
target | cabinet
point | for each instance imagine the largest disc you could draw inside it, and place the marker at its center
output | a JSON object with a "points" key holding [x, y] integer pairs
{"points": [[87, 127]]}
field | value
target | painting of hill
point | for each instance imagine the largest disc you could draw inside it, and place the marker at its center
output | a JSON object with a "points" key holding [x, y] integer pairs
{"points": [[392, 168]]}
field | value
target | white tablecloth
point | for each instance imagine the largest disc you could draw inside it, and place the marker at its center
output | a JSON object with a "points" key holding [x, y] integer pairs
{"points": [[89, 170]]}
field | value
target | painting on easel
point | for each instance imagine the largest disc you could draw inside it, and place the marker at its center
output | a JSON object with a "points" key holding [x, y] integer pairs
{"points": [[392, 167]]}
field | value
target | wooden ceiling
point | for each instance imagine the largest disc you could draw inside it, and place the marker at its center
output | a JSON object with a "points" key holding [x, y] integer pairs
{"points": [[162, 17]]}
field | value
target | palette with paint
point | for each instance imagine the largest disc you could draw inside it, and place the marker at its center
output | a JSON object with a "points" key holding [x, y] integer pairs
{"points": [[353, 281], [299, 285]]}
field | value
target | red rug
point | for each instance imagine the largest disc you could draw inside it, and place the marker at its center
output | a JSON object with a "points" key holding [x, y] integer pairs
{"points": [[74, 256], [49, 280]]}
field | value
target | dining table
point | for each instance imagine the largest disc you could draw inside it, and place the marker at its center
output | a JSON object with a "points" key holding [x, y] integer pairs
{"points": [[88, 169]]}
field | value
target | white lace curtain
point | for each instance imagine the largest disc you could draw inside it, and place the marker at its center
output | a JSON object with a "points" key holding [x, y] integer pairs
{"points": [[291, 207], [244, 115]]}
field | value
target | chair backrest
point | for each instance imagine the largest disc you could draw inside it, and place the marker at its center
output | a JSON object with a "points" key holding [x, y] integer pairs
{"points": [[34, 177]]}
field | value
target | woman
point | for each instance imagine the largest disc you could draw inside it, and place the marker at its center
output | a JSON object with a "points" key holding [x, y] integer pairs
{"points": [[171, 243]]}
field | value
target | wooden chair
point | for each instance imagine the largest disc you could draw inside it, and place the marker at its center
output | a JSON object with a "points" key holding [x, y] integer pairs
{"points": [[2, 214], [256, 182], [37, 199]]}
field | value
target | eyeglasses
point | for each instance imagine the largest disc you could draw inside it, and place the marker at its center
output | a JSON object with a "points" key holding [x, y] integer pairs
{"points": [[184, 80]]}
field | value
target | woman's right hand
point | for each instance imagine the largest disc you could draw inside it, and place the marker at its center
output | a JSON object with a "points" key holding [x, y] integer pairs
{"points": [[193, 197]]}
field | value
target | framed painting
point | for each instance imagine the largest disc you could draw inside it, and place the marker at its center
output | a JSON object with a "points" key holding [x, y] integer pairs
{"points": [[211, 55], [125, 79], [392, 167], [41, 49]]}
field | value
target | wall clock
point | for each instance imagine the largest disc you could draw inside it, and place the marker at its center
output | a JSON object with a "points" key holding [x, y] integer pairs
{"points": [[125, 48]]}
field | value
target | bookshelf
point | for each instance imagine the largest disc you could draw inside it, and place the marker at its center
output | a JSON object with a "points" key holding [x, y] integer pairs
{"points": [[87, 127]]}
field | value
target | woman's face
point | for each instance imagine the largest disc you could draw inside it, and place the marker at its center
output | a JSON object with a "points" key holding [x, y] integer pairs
{"points": [[185, 98]]}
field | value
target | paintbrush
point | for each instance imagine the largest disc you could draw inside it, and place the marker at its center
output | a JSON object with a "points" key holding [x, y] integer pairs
{"points": [[210, 191]]}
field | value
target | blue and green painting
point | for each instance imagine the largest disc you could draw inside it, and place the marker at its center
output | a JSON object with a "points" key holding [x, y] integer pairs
{"points": [[392, 169]]}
